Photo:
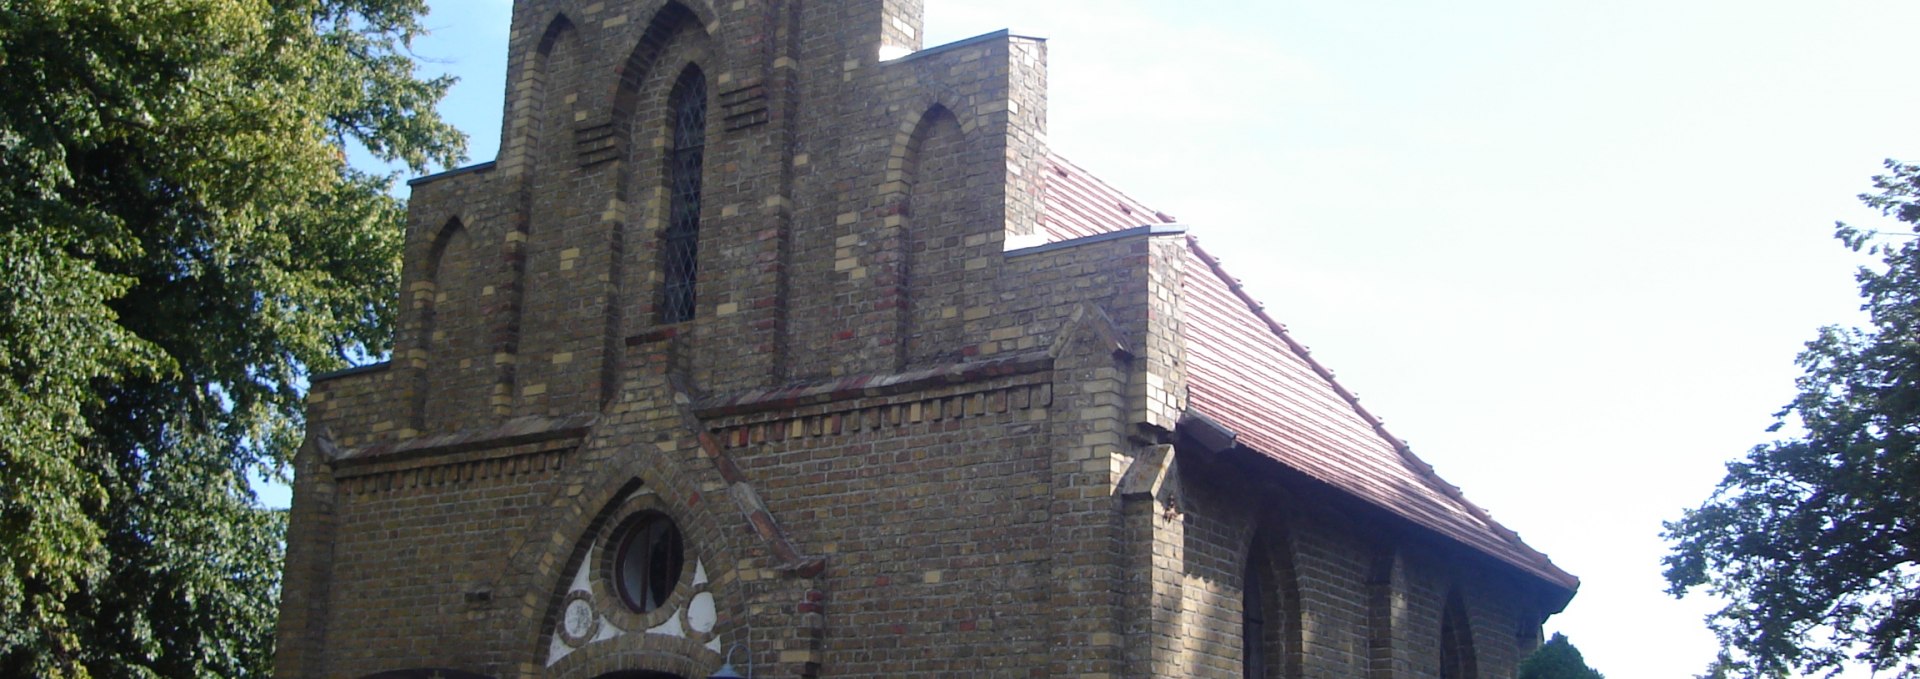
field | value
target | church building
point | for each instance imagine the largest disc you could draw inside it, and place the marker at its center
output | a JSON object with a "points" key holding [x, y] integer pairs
{"points": [[777, 344]]}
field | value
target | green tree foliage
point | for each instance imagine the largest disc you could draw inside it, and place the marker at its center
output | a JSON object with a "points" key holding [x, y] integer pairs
{"points": [[1557, 659], [1814, 540], [181, 239]]}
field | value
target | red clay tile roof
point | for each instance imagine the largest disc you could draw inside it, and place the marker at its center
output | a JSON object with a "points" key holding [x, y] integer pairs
{"points": [[1078, 205], [1247, 373]]}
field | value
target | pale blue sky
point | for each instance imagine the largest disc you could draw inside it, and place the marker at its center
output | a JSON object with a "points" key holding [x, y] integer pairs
{"points": [[1567, 249]]}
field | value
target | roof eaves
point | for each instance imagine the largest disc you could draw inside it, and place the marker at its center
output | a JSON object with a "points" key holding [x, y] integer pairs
{"points": [[1543, 565]]}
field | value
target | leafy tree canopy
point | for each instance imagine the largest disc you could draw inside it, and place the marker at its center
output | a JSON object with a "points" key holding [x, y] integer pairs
{"points": [[1814, 540], [1557, 659], [181, 239]]}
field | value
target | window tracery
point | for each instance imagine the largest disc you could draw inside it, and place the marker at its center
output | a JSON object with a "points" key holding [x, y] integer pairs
{"points": [[686, 161]]}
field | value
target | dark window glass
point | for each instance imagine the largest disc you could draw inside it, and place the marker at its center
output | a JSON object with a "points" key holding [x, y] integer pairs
{"points": [[1449, 652], [1253, 621], [1456, 642], [684, 165], [650, 558]]}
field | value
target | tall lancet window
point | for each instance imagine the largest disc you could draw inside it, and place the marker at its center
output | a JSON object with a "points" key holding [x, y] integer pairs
{"points": [[688, 106], [1456, 641], [1253, 618]]}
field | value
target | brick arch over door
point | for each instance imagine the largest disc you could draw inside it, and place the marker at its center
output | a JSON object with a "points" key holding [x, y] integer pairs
{"points": [[657, 491], [677, 462]]}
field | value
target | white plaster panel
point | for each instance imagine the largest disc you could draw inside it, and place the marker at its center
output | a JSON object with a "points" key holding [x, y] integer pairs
{"points": [[671, 627], [607, 630], [581, 582], [701, 615], [557, 650]]}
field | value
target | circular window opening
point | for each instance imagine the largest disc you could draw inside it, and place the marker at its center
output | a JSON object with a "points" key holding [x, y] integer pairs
{"points": [[647, 562]]}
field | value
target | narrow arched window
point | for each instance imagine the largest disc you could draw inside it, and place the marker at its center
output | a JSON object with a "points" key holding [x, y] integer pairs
{"points": [[1456, 641], [1253, 618], [685, 162]]}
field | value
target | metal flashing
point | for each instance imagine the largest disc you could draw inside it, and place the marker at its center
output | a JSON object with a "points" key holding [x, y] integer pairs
{"points": [[349, 372], [1147, 230], [963, 42], [476, 167]]}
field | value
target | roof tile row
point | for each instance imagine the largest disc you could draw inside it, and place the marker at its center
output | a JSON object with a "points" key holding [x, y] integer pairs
{"points": [[1246, 372]]}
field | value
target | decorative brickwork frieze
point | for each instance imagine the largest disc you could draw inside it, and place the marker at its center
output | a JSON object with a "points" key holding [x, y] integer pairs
{"points": [[744, 105], [881, 413], [502, 466], [597, 141]]}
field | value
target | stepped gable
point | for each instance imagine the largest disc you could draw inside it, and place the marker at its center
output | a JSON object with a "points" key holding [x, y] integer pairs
{"points": [[1247, 373]]}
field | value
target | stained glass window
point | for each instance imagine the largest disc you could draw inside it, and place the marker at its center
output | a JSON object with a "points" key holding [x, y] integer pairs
{"points": [[685, 161]]}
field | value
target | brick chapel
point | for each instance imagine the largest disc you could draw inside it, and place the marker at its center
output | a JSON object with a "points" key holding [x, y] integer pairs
{"points": [[775, 341]]}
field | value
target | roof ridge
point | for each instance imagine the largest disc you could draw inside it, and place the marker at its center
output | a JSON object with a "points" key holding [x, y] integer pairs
{"points": [[1420, 467]]}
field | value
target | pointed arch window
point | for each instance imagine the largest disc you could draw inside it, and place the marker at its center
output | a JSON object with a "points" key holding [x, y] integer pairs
{"points": [[685, 162], [1456, 641], [1270, 622], [1253, 618]]}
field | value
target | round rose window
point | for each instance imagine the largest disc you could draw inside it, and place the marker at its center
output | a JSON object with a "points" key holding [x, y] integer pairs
{"points": [[647, 562]]}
